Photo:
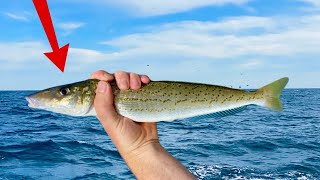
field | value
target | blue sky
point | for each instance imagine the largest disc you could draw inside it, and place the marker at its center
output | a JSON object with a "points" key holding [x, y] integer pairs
{"points": [[235, 43]]}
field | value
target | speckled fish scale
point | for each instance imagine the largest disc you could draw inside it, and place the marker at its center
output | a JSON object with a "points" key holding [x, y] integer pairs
{"points": [[160, 100]]}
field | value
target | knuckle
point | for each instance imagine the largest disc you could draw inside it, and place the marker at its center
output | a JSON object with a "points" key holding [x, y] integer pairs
{"points": [[120, 73], [134, 75], [98, 74]]}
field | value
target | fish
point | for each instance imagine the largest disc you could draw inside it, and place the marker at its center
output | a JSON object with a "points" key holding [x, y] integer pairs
{"points": [[159, 100]]}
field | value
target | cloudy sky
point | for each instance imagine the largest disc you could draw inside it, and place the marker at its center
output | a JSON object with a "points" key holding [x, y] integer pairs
{"points": [[245, 43]]}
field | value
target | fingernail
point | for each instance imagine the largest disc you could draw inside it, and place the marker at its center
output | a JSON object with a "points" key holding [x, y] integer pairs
{"points": [[102, 87], [145, 79], [124, 84], [134, 82], [108, 76]]}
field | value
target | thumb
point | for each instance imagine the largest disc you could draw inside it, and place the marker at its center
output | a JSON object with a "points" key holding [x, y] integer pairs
{"points": [[104, 106]]}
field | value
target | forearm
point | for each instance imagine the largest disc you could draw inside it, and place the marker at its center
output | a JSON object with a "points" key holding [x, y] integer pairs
{"points": [[152, 161]]}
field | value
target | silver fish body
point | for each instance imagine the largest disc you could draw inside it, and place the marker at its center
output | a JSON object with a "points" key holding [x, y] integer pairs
{"points": [[158, 100]]}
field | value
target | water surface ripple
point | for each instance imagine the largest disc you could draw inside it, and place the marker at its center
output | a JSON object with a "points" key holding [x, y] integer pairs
{"points": [[254, 144]]}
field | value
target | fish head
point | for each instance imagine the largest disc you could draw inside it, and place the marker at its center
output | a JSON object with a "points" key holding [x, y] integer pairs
{"points": [[72, 99]]}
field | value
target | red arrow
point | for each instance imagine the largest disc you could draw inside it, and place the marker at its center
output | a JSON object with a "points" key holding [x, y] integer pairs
{"points": [[59, 55]]}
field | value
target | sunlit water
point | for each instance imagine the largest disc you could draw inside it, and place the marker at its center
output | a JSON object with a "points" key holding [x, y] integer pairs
{"points": [[254, 144]]}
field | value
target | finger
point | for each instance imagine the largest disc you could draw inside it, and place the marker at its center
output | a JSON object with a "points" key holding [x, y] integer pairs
{"points": [[104, 106], [135, 81], [102, 76], [122, 79], [145, 79]]}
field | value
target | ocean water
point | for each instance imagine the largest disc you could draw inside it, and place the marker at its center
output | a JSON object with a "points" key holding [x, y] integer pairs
{"points": [[254, 144]]}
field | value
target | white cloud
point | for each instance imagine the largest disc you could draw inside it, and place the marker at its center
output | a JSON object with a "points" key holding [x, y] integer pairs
{"points": [[226, 39], [195, 40], [86, 55], [208, 49], [313, 2], [22, 16], [21, 51], [313, 6], [156, 7], [32, 51], [227, 25], [163, 7], [251, 64], [69, 27], [175, 50]]}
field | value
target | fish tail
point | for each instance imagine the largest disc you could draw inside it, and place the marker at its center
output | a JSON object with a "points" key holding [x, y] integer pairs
{"points": [[272, 94]]}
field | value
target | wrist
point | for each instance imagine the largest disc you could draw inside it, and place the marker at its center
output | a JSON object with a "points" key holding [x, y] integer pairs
{"points": [[152, 161], [148, 150]]}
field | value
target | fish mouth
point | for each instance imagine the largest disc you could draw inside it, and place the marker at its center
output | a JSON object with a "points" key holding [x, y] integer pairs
{"points": [[32, 102]]}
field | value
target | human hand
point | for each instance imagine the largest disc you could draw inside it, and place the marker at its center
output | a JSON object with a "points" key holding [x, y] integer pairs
{"points": [[138, 143], [130, 138]]}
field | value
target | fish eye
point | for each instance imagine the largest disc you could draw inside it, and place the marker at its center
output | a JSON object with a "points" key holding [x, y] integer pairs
{"points": [[64, 91]]}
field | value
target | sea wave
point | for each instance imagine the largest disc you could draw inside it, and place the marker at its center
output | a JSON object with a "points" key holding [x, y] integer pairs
{"points": [[220, 172], [254, 144]]}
